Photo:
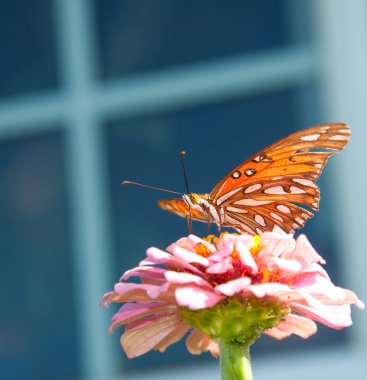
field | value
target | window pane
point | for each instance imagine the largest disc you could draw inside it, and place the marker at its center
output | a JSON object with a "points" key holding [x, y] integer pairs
{"points": [[216, 137], [28, 47], [138, 36], [37, 320]]}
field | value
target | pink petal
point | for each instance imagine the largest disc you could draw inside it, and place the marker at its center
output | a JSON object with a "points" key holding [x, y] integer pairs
{"points": [[232, 287], [336, 317], [324, 290], [156, 258], [276, 244], [222, 253], [222, 267], [268, 289], [196, 298], [247, 240], [305, 251], [185, 243], [172, 338], [189, 257], [295, 324], [287, 267], [143, 335], [156, 254], [196, 240], [304, 279], [145, 272], [277, 333], [246, 257], [197, 342], [127, 292], [132, 311], [185, 278]]}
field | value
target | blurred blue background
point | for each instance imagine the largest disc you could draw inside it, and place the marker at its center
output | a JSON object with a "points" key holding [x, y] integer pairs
{"points": [[93, 92]]}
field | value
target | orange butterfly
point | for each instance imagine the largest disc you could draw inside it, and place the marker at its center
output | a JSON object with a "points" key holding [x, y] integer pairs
{"points": [[267, 189]]}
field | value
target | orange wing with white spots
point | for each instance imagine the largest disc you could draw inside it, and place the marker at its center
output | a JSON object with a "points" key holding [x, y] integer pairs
{"points": [[180, 208], [268, 188]]}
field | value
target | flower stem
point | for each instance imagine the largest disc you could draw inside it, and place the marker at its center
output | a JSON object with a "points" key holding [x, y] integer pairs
{"points": [[235, 361]]}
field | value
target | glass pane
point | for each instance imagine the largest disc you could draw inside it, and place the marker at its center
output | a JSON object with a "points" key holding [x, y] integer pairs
{"points": [[37, 320], [28, 47], [216, 137], [139, 36]]}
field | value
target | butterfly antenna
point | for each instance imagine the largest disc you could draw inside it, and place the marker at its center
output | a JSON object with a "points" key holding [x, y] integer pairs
{"points": [[150, 187], [182, 153]]}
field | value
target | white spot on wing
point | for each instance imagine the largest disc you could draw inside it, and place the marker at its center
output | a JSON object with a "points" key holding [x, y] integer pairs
{"points": [[259, 231], [296, 190], [260, 220], [305, 182], [276, 216], [275, 190], [236, 210], [313, 137], [236, 174], [295, 225], [299, 220], [236, 224], [252, 202], [344, 131], [257, 159], [225, 196], [253, 188], [283, 208], [339, 138], [319, 166]]}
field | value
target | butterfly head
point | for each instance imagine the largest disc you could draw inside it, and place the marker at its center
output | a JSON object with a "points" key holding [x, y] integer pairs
{"points": [[191, 199], [195, 200]]}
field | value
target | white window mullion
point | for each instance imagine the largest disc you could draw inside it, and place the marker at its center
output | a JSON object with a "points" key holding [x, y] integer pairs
{"points": [[88, 192], [341, 33]]}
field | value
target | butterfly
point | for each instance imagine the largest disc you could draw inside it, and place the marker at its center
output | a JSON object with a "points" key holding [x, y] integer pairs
{"points": [[270, 188]]}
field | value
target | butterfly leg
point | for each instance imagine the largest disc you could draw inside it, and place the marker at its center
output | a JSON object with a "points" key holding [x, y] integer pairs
{"points": [[189, 221], [208, 229]]}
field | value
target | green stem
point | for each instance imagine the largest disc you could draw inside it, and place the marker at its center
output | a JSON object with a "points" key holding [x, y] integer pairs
{"points": [[235, 361]]}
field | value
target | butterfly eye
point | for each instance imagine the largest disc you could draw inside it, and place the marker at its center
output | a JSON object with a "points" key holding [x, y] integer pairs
{"points": [[194, 198]]}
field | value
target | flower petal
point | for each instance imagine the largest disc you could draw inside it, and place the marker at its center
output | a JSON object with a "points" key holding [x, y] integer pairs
{"points": [[177, 334], [143, 335], [189, 257], [197, 342], [276, 244], [196, 298], [145, 272], [286, 267], [267, 289], [233, 287], [185, 278], [196, 240], [222, 254], [133, 311], [246, 257], [295, 324], [305, 251], [221, 267], [336, 317]]}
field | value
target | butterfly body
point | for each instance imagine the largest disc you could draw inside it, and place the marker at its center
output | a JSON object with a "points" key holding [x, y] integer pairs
{"points": [[270, 188], [203, 205]]}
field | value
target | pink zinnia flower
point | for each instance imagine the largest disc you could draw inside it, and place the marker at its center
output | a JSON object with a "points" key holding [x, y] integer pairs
{"points": [[233, 288]]}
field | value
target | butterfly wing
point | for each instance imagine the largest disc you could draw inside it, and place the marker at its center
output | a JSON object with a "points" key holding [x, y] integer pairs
{"points": [[267, 189], [180, 208]]}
